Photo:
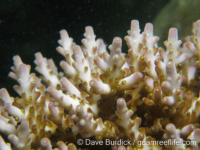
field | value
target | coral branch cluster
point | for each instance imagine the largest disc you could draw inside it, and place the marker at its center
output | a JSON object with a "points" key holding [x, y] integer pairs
{"points": [[147, 95]]}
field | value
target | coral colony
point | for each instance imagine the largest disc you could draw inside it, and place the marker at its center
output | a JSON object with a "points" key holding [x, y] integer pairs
{"points": [[144, 100]]}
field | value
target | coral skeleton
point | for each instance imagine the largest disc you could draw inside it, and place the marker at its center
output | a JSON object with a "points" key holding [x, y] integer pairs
{"points": [[146, 96]]}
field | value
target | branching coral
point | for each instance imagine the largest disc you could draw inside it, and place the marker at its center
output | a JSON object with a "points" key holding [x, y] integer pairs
{"points": [[146, 96]]}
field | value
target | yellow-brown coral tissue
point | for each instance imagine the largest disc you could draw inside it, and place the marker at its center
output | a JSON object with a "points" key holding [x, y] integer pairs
{"points": [[146, 99]]}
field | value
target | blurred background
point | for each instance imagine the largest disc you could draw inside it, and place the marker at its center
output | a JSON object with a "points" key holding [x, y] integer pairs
{"points": [[30, 26]]}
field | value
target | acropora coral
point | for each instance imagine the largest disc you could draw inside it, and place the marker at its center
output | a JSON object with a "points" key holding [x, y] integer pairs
{"points": [[131, 100]]}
